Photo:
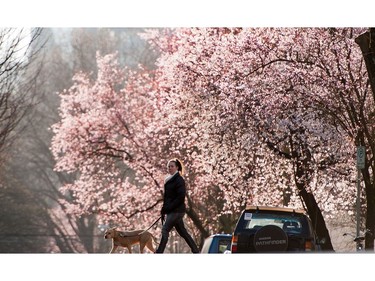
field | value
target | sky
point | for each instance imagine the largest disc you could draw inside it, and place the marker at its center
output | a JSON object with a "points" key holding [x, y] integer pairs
{"points": [[179, 13]]}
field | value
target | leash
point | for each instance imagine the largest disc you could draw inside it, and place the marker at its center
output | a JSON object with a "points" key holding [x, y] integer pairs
{"points": [[162, 222], [151, 225]]}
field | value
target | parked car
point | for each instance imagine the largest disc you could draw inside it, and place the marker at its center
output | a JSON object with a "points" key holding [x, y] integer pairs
{"points": [[273, 230], [216, 244]]}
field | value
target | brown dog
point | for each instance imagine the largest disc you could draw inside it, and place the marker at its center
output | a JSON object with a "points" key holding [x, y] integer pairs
{"points": [[129, 238]]}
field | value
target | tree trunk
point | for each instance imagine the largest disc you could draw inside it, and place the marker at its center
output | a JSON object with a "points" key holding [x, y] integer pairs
{"points": [[197, 222], [317, 219], [366, 42], [303, 174]]}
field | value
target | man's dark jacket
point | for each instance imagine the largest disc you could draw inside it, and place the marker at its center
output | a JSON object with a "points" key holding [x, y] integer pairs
{"points": [[174, 195]]}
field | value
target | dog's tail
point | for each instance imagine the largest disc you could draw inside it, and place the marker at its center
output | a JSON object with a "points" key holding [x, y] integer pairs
{"points": [[154, 238]]}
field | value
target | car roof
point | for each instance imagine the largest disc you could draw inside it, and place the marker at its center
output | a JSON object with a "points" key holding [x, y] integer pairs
{"points": [[276, 209]]}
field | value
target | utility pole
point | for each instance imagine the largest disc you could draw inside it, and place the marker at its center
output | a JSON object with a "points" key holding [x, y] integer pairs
{"points": [[361, 158]]}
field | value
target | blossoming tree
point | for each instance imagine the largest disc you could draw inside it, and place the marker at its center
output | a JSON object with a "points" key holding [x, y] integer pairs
{"points": [[260, 116]]}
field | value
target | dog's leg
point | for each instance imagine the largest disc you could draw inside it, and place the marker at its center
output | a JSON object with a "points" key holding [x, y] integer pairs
{"points": [[155, 240], [129, 249], [141, 247], [150, 246], [114, 247]]}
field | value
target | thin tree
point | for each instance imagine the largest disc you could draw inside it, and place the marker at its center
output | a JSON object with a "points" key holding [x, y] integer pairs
{"points": [[17, 52]]}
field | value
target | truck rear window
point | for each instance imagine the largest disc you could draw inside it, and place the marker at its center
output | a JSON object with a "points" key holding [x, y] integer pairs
{"points": [[289, 223]]}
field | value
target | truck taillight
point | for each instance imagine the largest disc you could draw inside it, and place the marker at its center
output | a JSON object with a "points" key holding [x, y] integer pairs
{"points": [[234, 244], [308, 245]]}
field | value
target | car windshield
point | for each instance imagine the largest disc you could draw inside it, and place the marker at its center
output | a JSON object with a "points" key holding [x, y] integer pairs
{"points": [[289, 223]]}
